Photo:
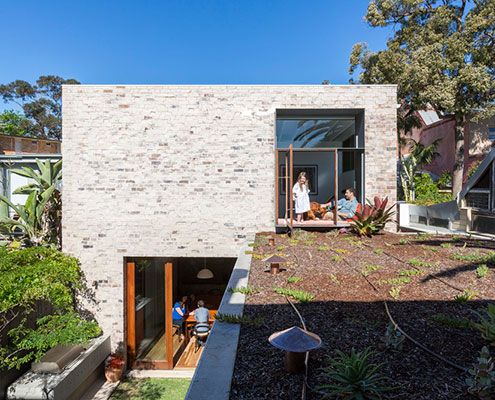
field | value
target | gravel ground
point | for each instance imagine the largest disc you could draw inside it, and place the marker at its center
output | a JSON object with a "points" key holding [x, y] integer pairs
{"points": [[348, 312]]}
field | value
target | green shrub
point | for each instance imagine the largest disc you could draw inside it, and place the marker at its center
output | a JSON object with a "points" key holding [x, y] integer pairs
{"points": [[403, 280], [369, 269], [300, 295], [239, 319], [394, 292], [403, 241], [475, 257], [244, 290], [334, 278], [352, 376], [465, 296], [294, 279], [486, 324], [420, 264], [32, 276], [323, 248], [427, 191], [410, 272], [378, 251], [482, 271], [336, 258], [458, 323]]}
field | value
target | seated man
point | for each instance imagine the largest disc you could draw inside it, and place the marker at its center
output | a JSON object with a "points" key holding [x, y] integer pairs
{"points": [[346, 207], [201, 314], [202, 328]]}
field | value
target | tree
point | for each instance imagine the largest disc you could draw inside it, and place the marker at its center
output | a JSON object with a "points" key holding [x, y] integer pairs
{"points": [[442, 53], [13, 123], [41, 103]]}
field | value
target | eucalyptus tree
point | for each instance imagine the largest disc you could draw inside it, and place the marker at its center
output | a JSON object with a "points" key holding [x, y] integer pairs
{"points": [[441, 53], [40, 102]]}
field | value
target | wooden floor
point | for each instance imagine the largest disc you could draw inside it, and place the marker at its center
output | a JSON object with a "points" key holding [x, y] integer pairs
{"points": [[190, 358], [158, 351], [321, 223]]}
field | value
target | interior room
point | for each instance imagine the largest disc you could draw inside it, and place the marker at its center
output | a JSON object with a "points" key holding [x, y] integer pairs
{"points": [[155, 286], [328, 145]]}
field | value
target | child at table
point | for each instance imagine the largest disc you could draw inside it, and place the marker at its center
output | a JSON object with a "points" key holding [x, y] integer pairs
{"points": [[300, 191]]}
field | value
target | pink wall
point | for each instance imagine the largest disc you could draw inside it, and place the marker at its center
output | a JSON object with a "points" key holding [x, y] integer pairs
{"points": [[445, 131], [476, 143]]}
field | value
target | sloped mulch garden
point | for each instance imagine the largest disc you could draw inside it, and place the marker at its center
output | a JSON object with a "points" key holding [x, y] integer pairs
{"points": [[432, 285]]}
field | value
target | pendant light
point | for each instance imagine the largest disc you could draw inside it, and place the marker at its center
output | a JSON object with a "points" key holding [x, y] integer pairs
{"points": [[204, 273]]}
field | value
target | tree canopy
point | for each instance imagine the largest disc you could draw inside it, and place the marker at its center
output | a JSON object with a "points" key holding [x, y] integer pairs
{"points": [[442, 53], [41, 103], [14, 123]]}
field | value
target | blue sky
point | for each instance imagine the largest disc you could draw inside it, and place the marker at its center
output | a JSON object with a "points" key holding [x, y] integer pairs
{"points": [[183, 42]]}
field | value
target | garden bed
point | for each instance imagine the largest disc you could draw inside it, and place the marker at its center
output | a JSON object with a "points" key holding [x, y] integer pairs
{"points": [[422, 278]]}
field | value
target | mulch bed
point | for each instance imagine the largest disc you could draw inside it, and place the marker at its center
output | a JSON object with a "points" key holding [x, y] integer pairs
{"points": [[348, 312]]}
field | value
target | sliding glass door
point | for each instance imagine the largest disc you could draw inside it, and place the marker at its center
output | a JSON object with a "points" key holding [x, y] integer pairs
{"points": [[148, 313]]}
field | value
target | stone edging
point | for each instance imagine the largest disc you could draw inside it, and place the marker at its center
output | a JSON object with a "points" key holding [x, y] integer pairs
{"points": [[214, 372]]}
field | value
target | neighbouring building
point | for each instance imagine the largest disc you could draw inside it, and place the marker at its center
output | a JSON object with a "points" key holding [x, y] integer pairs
{"points": [[17, 152], [479, 138], [477, 198], [162, 185]]}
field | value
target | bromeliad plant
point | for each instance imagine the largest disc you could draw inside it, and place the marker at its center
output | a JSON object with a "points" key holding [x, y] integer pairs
{"points": [[373, 217], [39, 219], [352, 377]]}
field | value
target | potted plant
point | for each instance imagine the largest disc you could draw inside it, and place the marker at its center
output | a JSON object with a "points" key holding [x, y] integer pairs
{"points": [[114, 367]]}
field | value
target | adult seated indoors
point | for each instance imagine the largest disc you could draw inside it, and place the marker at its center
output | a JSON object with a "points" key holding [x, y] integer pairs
{"points": [[178, 314], [346, 207], [201, 314]]}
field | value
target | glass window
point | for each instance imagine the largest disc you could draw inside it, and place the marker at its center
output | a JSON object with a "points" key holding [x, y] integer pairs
{"points": [[491, 133], [319, 132]]}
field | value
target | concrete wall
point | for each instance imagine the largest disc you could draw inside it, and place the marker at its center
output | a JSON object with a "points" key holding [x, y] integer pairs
{"points": [[185, 171]]}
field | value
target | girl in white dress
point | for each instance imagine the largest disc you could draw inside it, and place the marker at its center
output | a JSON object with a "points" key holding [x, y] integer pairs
{"points": [[300, 192]]}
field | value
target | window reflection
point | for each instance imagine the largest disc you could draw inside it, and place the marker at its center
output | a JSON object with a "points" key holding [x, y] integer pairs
{"points": [[320, 132]]}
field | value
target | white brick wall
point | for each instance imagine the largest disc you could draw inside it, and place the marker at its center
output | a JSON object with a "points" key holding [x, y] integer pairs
{"points": [[187, 170]]}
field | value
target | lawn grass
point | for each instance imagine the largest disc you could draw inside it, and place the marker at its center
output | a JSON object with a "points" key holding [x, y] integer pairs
{"points": [[152, 389]]}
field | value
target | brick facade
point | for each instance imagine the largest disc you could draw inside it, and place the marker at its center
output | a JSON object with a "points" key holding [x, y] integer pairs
{"points": [[188, 170]]}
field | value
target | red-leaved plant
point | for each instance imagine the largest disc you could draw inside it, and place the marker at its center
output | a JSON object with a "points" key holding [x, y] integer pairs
{"points": [[373, 217]]}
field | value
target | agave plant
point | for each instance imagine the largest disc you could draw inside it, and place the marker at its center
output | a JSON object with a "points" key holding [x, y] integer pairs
{"points": [[373, 217], [486, 324], [39, 219], [353, 377]]}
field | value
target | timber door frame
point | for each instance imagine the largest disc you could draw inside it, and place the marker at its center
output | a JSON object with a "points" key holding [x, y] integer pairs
{"points": [[130, 319]]}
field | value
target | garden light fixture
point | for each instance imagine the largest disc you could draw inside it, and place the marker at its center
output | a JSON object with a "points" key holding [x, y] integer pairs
{"points": [[295, 342], [275, 262]]}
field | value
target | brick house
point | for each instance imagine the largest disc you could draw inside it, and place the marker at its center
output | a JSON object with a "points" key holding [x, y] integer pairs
{"points": [[162, 185]]}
